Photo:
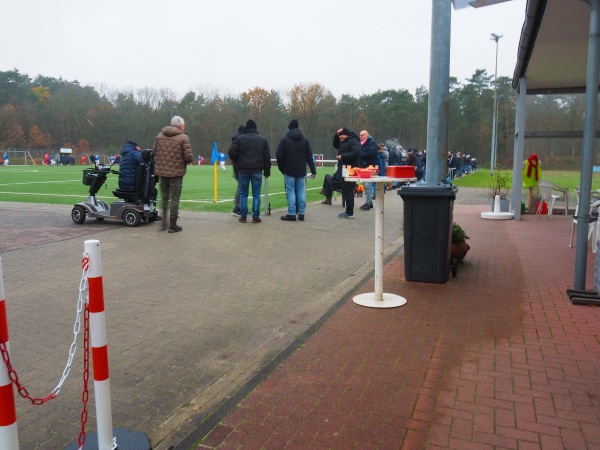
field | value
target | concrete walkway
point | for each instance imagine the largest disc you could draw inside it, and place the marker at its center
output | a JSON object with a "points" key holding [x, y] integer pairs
{"points": [[245, 336]]}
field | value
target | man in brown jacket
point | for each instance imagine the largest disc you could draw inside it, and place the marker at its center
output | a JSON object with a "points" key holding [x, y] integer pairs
{"points": [[172, 154]]}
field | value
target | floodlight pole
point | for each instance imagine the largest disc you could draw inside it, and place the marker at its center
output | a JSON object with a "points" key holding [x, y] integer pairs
{"points": [[495, 38]]}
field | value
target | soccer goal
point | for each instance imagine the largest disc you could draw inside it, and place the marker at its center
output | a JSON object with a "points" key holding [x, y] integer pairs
{"points": [[19, 157]]}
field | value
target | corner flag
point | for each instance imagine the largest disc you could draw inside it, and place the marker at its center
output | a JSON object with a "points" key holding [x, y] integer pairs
{"points": [[215, 153]]}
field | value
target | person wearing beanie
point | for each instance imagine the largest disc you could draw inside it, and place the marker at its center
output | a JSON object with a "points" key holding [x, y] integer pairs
{"points": [[348, 147], [236, 173], [293, 155], [250, 152], [172, 154]]}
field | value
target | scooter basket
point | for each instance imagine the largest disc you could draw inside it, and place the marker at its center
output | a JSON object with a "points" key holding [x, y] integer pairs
{"points": [[88, 176]]}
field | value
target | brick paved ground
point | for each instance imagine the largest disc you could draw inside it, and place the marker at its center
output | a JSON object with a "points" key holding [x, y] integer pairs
{"points": [[497, 358]]}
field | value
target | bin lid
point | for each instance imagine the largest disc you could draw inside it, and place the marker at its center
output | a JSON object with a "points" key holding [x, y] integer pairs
{"points": [[428, 190]]}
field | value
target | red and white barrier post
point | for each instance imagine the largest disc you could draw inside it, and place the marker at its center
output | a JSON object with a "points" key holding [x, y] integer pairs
{"points": [[99, 346], [9, 437]]}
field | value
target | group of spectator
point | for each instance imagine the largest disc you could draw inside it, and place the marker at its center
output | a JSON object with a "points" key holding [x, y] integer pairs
{"points": [[251, 158], [460, 164], [363, 151], [64, 160]]}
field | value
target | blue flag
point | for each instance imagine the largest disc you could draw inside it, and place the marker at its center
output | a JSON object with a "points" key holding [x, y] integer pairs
{"points": [[215, 153]]}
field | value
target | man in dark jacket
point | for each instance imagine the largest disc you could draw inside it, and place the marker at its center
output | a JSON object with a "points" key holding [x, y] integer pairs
{"points": [[131, 158], [172, 154], [293, 154], [250, 151], [348, 155], [368, 157], [236, 174]]}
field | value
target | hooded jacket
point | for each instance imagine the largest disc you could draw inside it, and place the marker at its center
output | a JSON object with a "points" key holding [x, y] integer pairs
{"points": [[293, 154], [250, 151], [131, 158], [172, 152]]}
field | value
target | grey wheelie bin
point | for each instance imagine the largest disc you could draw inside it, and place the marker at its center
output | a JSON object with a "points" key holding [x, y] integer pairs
{"points": [[428, 217]]}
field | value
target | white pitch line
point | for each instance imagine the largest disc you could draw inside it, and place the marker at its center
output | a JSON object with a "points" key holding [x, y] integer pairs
{"points": [[40, 182], [46, 194]]}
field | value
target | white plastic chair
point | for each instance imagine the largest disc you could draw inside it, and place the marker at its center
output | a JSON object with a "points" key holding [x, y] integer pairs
{"points": [[549, 194], [592, 226]]}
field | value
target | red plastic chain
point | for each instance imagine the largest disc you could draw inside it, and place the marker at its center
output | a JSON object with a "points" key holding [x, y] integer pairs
{"points": [[85, 262], [12, 373], [86, 371]]}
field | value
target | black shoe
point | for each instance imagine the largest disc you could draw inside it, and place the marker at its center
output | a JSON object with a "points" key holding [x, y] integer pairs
{"points": [[301, 217], [371, 205], [243, 219], [288, 218], [365, 207]]}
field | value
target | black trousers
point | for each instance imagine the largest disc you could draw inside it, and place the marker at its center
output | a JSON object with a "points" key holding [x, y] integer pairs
{"points": [[348, 194], [328, 185]]}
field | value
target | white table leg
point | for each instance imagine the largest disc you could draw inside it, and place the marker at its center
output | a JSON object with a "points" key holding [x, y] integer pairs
{"points": [[379, 212], [379, 299]]}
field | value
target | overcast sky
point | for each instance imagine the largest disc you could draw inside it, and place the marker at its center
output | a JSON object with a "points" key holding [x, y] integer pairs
{"points": [[230, 46]]}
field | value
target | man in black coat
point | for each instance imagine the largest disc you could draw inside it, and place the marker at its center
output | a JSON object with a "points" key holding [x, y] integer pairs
{"points": [[236, 173], [293, 154], [250, 151], [348, 155]]}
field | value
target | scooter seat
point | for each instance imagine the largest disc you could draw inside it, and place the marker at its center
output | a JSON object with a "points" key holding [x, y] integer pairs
{"points": [[125, 195]]}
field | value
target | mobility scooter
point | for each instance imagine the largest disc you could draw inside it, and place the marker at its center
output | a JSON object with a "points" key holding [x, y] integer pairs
{"points": [[133, 207]]}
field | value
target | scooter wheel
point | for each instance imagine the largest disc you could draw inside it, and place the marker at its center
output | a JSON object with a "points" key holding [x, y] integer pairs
{"points": [[78, 214], [132, 218]]}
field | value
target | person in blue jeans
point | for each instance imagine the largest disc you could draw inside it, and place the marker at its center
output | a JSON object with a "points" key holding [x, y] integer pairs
{"points": [[293, 155], [250, 151], [368, 157]]}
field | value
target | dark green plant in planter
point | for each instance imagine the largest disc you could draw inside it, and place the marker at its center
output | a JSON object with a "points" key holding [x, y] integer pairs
{"points": [[458, 234], [459, 246]]}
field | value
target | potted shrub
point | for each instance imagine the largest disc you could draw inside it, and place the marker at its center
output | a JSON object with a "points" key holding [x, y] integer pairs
{"points": [[459, 246], [499, 184]]}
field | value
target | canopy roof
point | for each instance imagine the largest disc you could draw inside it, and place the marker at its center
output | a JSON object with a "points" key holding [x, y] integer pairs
{"points": [[553, 49]]}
